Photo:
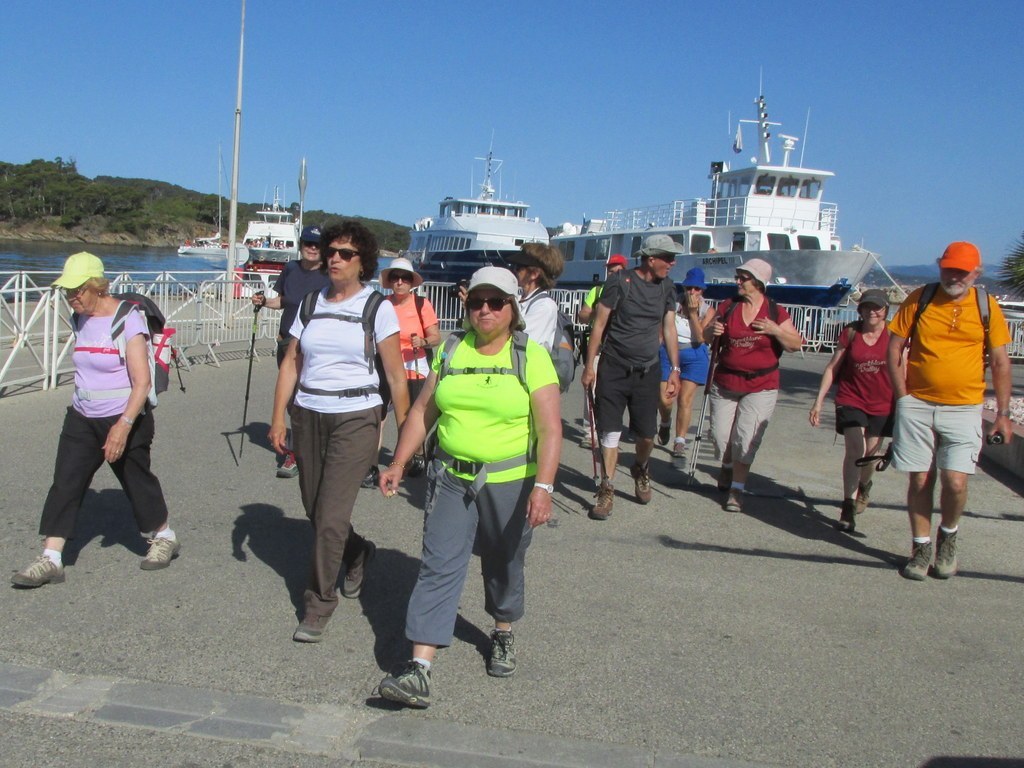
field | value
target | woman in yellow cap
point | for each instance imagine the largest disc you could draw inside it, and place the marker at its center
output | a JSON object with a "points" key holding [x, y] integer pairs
{"points": [[108, 421]]}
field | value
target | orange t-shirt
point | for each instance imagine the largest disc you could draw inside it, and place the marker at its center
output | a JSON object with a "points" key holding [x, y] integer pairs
{"points": [[946, 364], [414, 359]]}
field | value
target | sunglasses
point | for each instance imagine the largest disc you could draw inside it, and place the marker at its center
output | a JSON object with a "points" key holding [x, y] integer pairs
{"points": [[741, 277], [346, 253], [668, 257], [693, 288], [308, 244], [475, 304], [404, 277], [71, 293]]}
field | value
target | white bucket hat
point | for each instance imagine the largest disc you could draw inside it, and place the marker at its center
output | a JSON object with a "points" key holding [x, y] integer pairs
{"points": [[502, 280], [759, 268], [401, 264]]}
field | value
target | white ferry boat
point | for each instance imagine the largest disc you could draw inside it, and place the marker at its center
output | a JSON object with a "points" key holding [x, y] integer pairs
{"points": [[272, 238], [766, 210], [472, 232], [213, 250]]}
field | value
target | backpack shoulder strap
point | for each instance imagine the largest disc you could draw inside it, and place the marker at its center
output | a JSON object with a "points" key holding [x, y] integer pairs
{"points": [[307, 307], [730, 307], [519, 339], [370, 309], [453, 340], [773, 309]]}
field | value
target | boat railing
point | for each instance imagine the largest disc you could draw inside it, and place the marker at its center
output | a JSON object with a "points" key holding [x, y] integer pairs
{"points": [[712, 212], [213, 317]]}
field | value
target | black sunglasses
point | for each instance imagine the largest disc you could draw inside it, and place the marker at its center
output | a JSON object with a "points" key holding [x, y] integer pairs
{"points": [[475, 304], [346, 253], [394, 277]]}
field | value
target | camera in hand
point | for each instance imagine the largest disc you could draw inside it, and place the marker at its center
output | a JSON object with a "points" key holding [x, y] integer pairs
{"points": [[996, 438], [453, 290]]}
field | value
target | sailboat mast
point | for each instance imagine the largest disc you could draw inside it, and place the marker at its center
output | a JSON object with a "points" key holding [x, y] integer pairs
{"points": [[233, 211]]}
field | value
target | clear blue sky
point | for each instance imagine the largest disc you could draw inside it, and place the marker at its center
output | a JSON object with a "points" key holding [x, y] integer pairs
{"points": [[917, 107]]}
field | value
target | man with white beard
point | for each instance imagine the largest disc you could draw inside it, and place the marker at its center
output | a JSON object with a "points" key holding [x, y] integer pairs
{"points": [[939, 388]]}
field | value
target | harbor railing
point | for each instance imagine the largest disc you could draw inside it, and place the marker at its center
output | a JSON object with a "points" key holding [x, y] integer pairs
{"points": [[213, 316]]}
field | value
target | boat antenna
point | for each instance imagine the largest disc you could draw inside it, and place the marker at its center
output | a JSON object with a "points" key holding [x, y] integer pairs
{"points": [[233, 210], [302, 191], [807, 124], [491, 166]]}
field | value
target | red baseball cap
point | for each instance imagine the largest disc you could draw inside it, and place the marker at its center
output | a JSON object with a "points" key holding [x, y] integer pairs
{"points": [[617, 260], [961, 255]]}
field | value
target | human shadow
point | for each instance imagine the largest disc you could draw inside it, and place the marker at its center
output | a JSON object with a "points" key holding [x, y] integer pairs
{"points": [[281, 542], [384, 599], [964, 761], [105, 515]]}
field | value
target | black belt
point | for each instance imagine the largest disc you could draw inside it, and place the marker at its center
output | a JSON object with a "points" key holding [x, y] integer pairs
{"points": [[357, 392], [641, 368], [748, 374]]}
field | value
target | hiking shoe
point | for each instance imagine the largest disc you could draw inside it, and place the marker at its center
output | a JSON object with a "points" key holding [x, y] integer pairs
{"points": [[664, 432], [311, 629], [641, 482], [679, 456], [353, 583], [725, 478], [289, 468], [161, 552], [917, 566], [586, 442], [417, 465], [372, 477], [602, 508], [863, 497], [502, 662], [945, 555], [411, 686], [734, 503], [40, 571], [846, 522]]}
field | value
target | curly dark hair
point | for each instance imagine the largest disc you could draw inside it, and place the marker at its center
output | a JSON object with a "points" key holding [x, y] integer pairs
{"points": [[360, 236]]}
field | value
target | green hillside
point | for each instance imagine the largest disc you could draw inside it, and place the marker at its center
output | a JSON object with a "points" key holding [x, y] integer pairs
{"points": [[51, 200]]}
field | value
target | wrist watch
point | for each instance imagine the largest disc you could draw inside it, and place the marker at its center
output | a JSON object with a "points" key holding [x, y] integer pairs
{"points": [[677, 369], [1005, 413], [545, 487], [126, 420]]}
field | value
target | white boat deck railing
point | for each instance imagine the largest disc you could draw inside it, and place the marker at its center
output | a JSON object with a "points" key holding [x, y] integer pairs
{"points": [[715, 212], [206, 312]]}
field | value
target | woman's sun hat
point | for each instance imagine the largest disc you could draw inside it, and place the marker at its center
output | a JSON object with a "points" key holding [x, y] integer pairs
{"points": [[759, 268], [400, 264], [503, 280]]}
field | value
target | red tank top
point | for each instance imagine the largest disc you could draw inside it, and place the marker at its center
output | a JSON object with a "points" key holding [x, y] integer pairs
{"points": [[863, 374]]}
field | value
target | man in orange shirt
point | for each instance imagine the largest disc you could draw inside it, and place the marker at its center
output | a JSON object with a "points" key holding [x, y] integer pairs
{"points": [[939, 388]]}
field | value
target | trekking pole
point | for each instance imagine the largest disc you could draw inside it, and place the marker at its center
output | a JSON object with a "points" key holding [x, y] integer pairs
{"points": [[177, 367], [698, 439], [248, 377], [595, 445], [593, 437]]}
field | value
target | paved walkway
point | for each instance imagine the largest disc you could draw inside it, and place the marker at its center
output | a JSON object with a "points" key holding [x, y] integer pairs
{"points": [[673, 634]]}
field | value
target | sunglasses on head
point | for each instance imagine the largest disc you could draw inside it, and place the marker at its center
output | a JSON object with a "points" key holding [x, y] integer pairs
{"points": [[475, 303], [346, 253]]}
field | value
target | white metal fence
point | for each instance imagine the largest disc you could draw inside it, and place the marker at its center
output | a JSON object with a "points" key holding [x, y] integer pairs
{"points": [[206, 312]]}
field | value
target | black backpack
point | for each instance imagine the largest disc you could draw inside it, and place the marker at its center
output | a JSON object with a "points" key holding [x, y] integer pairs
{"points": [[928, 293]]}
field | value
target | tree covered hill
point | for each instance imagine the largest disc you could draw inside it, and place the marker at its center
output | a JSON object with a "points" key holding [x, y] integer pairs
{"points": [[51, 201]]}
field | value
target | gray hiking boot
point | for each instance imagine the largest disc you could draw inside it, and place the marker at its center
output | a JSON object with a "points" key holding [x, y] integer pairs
{"points": [[641, 482], [161, 552], [945, 555], [602, 508], [916, 568], [411, 686], [502, 662], [40, 571], [311, 629], [353, 583]]}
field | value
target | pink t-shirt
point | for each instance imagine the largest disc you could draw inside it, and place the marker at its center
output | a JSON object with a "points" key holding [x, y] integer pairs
{"points": [[98, 366], [863, 375], [414, 359]]}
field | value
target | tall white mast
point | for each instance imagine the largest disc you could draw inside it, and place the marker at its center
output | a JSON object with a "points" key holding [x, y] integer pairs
{"points": [[233, 214]]}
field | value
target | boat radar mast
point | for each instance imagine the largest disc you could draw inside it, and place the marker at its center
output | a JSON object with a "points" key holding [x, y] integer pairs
{"points": [[763, 131], [487, 188]]}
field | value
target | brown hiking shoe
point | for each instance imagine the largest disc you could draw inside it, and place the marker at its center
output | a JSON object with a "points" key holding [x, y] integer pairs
{"points": [[863, 497], [40, 571], [846, 522], [945, 555], [917, 566], [642, 482], [602, 508]]}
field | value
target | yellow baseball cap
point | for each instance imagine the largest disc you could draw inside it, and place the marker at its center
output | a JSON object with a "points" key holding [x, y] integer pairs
{"points": [[78, 268]]}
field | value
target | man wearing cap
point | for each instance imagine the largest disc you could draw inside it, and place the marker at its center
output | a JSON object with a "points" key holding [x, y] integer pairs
{"points": [[939, 391], [298, 278], [636, 308], [585, 316]]}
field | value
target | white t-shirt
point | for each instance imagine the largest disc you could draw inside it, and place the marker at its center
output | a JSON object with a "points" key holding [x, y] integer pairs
{"points": [[540, 312], [333, 356], [683, 336]]}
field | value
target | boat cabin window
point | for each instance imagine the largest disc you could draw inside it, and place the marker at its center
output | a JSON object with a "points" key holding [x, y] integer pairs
{"points": [[738, 241], [808, 243], [597, 249], [788, 187], [810, 189], [778, 242], [727, 188], [765, 184], [568, 249], [700, 243], [635, 246], [743, 185]]}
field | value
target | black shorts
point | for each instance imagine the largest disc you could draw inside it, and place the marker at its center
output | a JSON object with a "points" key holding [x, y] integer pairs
{"points": [[621, 387], [874, 426]]}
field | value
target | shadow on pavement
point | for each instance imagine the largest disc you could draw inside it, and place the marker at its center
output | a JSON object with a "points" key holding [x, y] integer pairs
{"points": [[281, 542], [105, 515]]}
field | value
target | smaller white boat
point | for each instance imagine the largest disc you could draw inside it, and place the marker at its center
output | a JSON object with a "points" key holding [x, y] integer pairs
{"points": [[272, 238]]}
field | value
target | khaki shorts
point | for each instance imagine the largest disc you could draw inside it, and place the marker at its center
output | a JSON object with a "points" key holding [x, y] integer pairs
{"points": [[739, 419], [948, 436]]}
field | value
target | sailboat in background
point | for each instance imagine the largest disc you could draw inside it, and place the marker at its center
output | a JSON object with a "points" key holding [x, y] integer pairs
{"points": [[214, 248]]}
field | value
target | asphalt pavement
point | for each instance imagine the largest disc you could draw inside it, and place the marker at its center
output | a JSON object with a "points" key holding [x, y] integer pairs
{"points": [[672, 634]]}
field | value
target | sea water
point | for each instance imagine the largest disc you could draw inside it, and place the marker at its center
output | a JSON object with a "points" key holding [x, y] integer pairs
{"points": [[25, 256]]}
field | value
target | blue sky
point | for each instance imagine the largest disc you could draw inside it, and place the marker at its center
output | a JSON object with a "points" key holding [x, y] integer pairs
{"points": [[593, 105]]}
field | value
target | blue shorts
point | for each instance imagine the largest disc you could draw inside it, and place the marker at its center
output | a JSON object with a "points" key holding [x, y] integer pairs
{"points": [[693, 363]]}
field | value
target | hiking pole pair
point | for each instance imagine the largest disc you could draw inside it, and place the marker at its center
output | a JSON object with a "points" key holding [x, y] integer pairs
{"points": [[248, 377], [699, 437]]}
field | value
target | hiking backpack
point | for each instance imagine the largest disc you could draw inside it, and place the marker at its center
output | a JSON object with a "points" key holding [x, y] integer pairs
{"points": [[307, 312], [563, 345], [159, 350]]}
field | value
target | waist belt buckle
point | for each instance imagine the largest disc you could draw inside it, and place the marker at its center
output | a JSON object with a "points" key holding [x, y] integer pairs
{"points": [[467, 467]]}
